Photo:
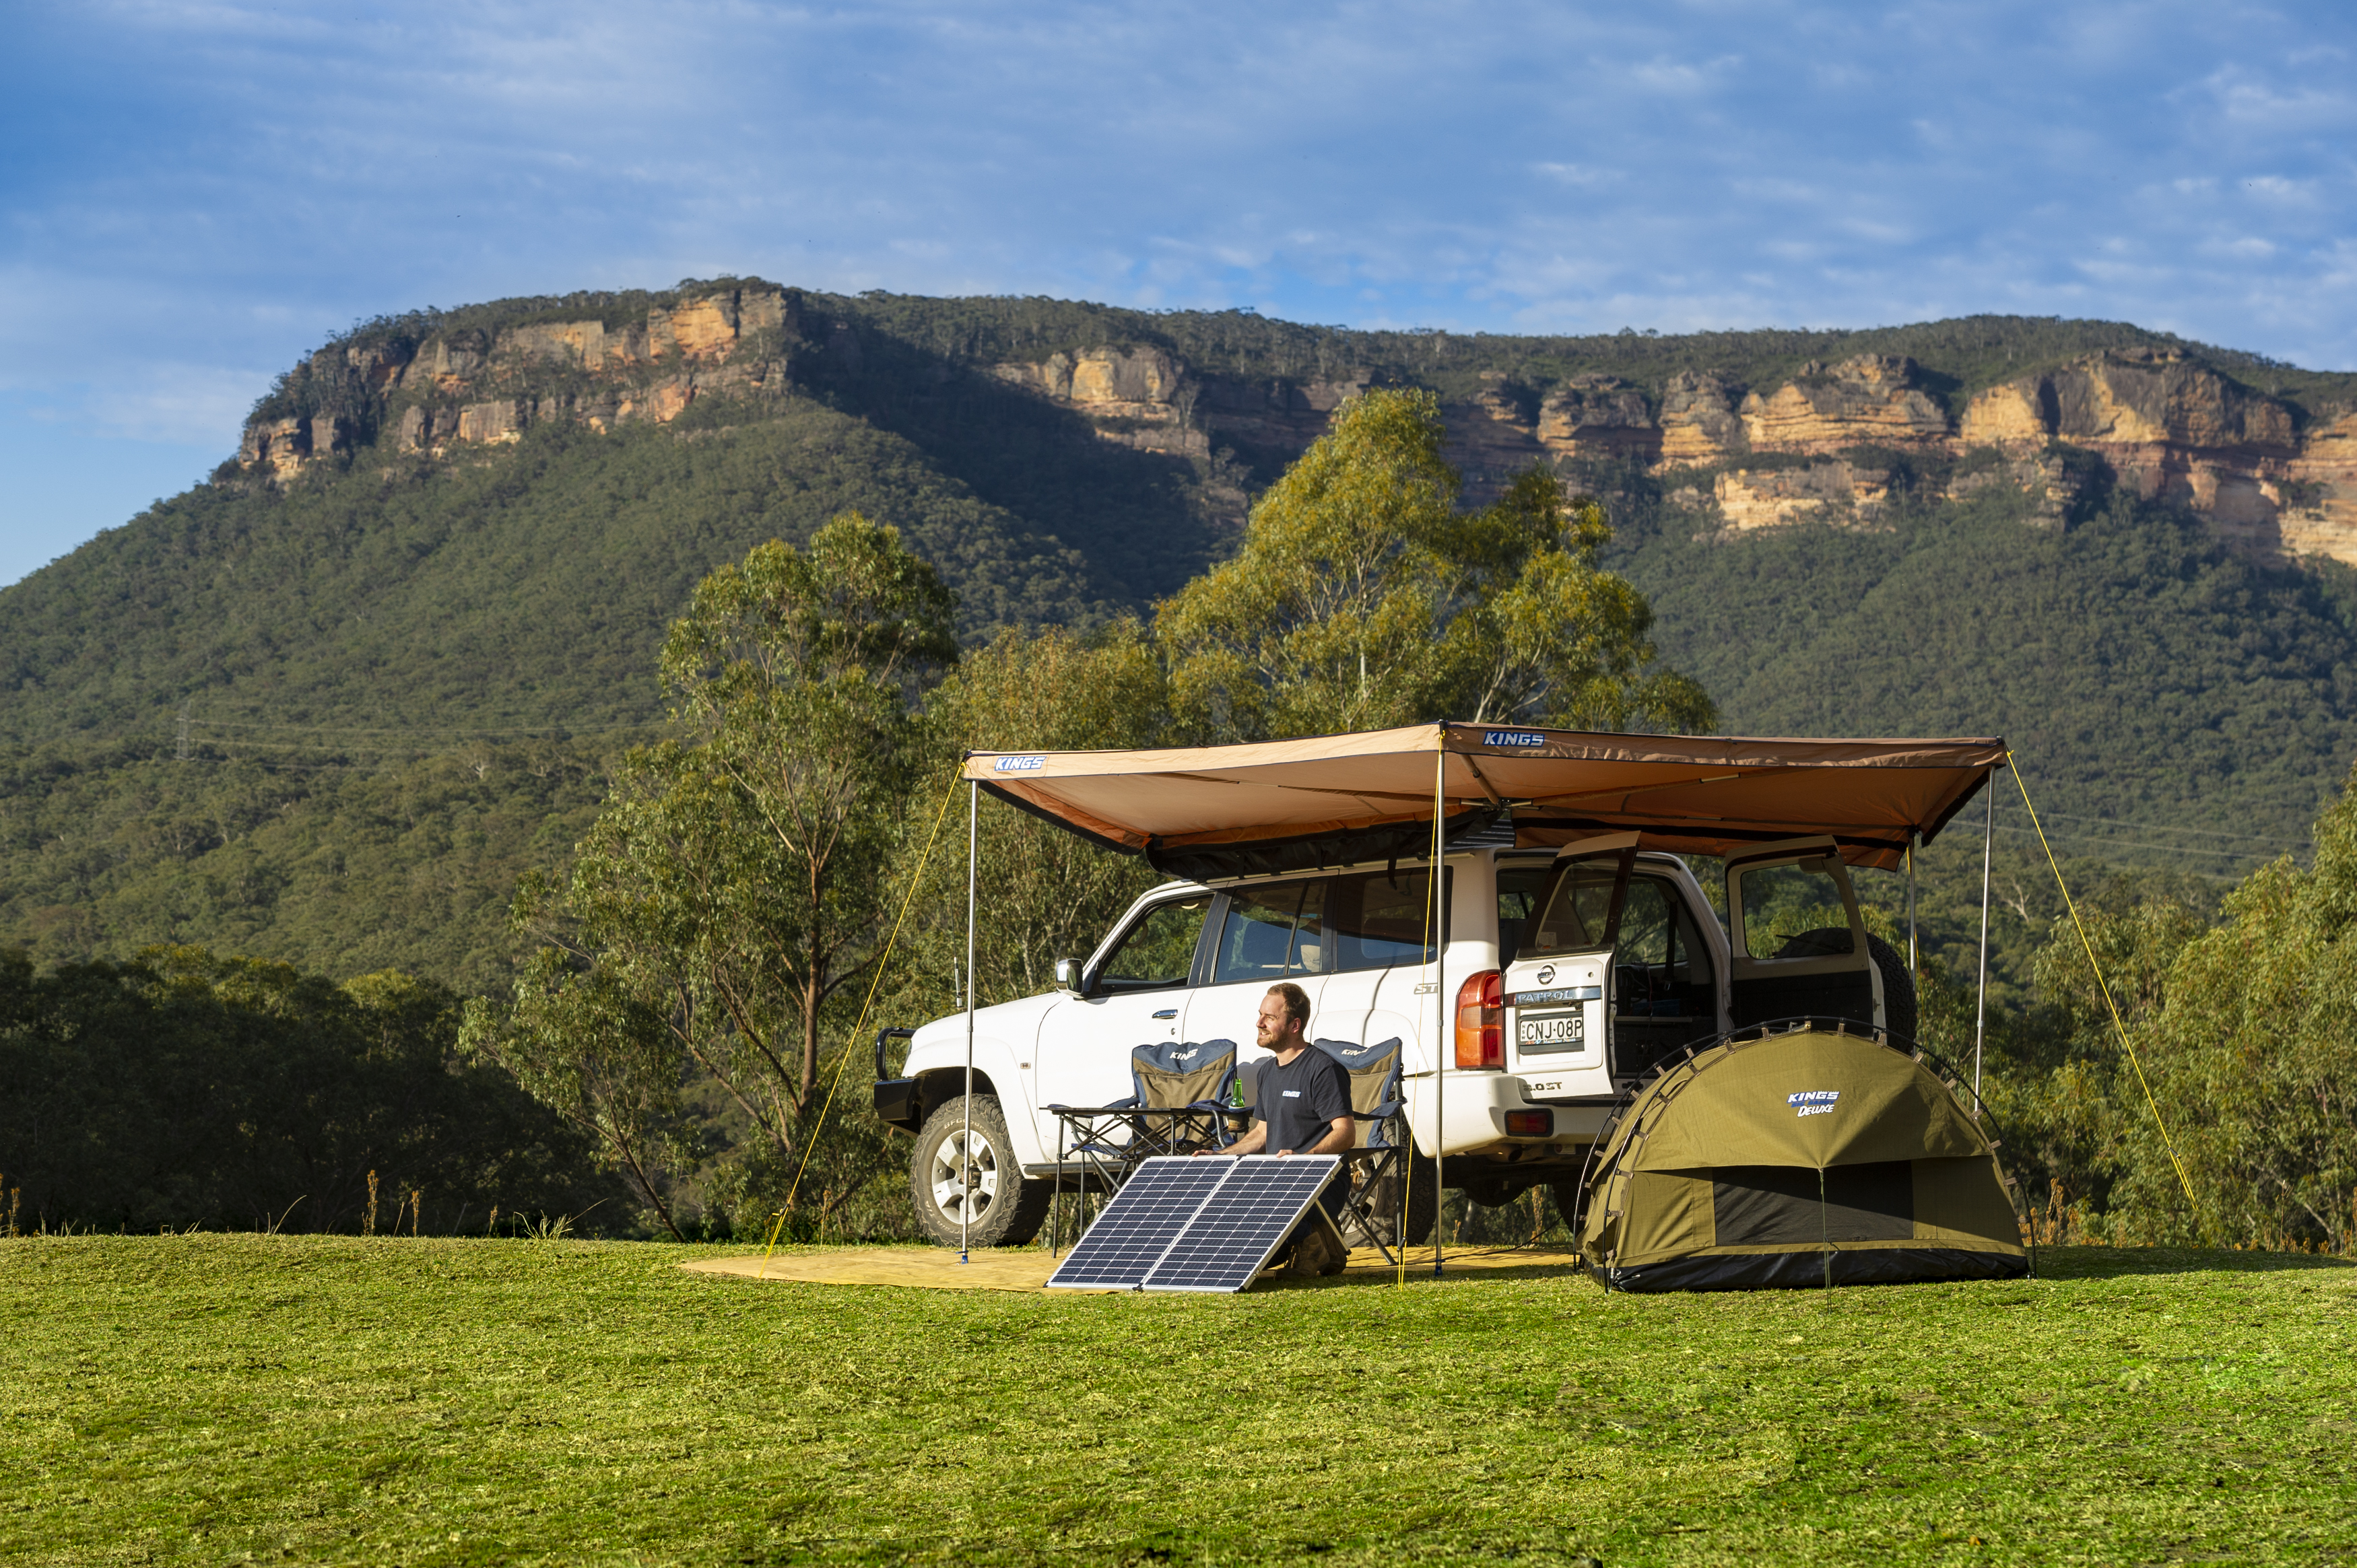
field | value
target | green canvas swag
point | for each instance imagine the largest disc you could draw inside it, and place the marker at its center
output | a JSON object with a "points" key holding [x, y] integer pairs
{"points": [[1808, 1158]]}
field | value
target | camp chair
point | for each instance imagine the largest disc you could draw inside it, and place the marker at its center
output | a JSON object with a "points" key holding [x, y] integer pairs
{"points": [[1179, 1104], [1375, 1099]]}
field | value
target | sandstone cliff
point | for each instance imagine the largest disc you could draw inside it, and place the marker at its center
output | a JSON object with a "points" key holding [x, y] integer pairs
{"points": [[484, 388], [1829, 441]]}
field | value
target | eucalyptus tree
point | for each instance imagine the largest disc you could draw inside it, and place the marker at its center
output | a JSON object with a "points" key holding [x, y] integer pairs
{"points": [[732, 885], [1363, 598], [1044, 892]]}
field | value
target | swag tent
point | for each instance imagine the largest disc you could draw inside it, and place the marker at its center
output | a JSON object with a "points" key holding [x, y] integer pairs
{"points": [[1209, 812], [1812, 1156]]}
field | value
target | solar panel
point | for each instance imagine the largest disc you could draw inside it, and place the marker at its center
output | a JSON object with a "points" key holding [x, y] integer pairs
{"points": [[1184, 1223], [1237, 1229], [1138, 1225]]}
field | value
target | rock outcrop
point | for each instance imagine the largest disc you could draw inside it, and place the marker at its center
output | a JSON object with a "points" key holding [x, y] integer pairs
{"points": [[1871, 400], [466, 388], [1699, 424], [2267, 475], [1763, 498], [1132, 396], [1598, 416]]}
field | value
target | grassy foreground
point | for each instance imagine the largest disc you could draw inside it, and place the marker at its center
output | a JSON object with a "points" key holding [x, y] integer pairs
{"points": [[224, 1398]]}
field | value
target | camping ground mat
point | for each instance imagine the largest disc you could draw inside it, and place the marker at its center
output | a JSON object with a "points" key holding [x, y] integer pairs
{"points": [[1808, 1158]]}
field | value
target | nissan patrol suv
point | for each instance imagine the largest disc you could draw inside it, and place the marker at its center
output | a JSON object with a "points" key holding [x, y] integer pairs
{"points": [[1571, 973]]}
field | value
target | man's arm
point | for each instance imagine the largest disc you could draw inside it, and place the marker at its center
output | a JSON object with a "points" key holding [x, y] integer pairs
{"points": [[1251, 1143], [1341, 1134]]}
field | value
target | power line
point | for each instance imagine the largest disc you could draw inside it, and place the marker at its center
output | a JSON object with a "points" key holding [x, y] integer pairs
{"points": [[2160, 827], [2169, 848]]}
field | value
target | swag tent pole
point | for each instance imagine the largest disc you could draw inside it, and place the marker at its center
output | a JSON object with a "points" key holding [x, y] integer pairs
{"points": [[1980, 999], [1914, 840], [965, 1145]]}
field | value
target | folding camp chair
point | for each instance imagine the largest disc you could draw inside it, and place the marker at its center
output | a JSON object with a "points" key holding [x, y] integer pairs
{"points": [[1374, 1159], [1179, 1104]]}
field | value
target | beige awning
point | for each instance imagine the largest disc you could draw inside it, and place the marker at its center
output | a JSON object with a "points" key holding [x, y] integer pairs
{"points": [[1223, 809]]}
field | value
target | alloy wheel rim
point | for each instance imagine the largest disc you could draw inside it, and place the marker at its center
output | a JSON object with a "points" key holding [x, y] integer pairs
{"points": [[964, 1178]]}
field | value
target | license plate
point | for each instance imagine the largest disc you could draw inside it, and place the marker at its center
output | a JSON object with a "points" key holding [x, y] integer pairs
{"points": [[1551, 1031]]}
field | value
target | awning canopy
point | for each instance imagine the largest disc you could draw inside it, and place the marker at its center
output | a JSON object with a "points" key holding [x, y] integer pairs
{"points": [[1226, 810]]}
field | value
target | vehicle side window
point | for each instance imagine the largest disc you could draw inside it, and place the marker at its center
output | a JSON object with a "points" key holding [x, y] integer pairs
{"points": [[1378, 920], [1159, 953], [1658, 931], [1519, 887], [1792, 911], [1647, 925], [1258, 940]]}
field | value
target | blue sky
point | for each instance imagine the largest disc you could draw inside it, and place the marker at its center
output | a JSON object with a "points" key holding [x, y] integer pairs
{"points": [[195, 194]]}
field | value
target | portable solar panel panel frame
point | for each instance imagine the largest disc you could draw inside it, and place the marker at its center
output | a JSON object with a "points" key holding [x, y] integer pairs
{"points": [[1197, 1223], [1137, 1225]]}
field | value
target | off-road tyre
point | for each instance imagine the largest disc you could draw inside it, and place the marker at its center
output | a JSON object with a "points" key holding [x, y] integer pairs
{"points": [[1898, 985], [1568, 1207], [1422, 1198], [1898, 1012], [1009, 1211]]}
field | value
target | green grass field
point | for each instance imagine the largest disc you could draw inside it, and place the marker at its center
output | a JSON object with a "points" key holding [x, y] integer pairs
{"points": [[232, 1399]]}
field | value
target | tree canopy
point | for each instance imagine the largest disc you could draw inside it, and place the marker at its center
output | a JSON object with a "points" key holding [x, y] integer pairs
{"points": [[1362, 597]]}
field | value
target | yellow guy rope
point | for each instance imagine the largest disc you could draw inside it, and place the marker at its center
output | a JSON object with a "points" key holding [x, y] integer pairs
{"points": [[2102, 985], [1407, 1182], [915, 882]]}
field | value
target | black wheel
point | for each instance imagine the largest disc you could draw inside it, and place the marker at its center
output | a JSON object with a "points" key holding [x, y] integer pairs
{"points": [[967, 1185], [1898, 985], [1898, 988], [1566, 1205], [1422, 1197]]}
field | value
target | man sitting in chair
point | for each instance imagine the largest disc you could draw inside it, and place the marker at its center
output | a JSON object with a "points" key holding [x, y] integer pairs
{"points": [[1301, 1106]]}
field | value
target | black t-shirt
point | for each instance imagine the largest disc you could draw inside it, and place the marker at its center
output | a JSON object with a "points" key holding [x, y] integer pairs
{"points": [[1300, 1102]]}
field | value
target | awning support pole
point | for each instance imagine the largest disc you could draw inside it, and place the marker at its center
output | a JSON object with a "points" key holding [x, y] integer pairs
{"points": [[1980, 1001], [1914, 840], [965, 1148], [1441, 1052]]}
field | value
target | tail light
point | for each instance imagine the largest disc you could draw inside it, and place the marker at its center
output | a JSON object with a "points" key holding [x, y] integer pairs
{"points": [[1481, 1020], [1530, 1123]]}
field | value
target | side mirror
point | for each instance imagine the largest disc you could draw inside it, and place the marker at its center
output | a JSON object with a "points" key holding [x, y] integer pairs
{"points": [[1067, 975]]}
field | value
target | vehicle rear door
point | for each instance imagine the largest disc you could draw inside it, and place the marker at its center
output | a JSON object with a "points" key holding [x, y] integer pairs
{"points": [[1558, 987], [1799, 943]]}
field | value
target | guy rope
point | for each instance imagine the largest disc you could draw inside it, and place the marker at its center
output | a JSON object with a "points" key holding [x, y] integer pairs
{"points": [[2104, 986], [874, 981]]}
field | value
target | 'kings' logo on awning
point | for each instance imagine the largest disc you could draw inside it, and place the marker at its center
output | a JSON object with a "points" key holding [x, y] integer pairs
{"points": [[1814, 1101]]}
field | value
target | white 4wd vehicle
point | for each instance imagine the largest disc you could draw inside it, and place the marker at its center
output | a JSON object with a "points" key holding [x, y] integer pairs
{"points": [[1571, 973]]}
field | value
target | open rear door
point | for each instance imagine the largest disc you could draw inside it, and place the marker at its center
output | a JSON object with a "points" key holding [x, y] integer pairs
{"points": [[1558, 987], [1799, 945]]}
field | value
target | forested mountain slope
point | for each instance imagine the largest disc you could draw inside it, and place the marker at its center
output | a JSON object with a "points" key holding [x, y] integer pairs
{"points": [[327, 706], [2143, 670]]}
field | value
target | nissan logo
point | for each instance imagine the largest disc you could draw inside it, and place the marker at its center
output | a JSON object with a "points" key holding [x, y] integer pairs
{"points": [[1547, 975]]}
